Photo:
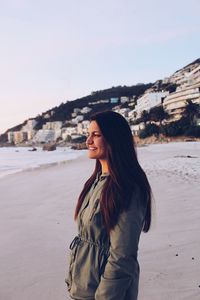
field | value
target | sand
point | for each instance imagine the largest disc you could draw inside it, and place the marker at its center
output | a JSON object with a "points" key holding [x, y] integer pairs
{"points": [[36, 227]]}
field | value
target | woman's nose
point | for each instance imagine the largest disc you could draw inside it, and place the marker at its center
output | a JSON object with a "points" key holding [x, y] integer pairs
{"points": [[89, 140]]}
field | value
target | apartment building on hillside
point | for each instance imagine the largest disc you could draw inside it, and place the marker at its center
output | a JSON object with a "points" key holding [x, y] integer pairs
{"points": [[175, 102], [148, 101]]}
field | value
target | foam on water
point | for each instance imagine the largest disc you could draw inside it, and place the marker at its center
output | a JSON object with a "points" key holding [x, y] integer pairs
{"points": [[17, 159]]}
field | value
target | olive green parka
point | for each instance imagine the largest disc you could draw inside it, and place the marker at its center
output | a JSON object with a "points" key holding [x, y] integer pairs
{"points": [[102, 266]]}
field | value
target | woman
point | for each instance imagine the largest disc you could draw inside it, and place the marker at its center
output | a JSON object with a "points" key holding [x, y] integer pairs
{"points": [[112, 210]]}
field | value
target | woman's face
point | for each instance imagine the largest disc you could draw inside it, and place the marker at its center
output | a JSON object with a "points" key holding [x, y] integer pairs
{"points": [[95, 142]]}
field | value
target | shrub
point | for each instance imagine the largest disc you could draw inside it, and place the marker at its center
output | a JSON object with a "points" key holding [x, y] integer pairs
{"points": [[150, 129], [176, 128], [143, 134], [80, 139], [193, 131]]}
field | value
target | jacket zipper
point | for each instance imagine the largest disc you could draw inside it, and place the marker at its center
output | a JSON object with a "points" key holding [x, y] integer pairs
{"points": [[94, 209]]}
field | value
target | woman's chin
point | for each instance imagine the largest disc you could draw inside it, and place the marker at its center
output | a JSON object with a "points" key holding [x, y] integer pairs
{"points": [[91, 155]]}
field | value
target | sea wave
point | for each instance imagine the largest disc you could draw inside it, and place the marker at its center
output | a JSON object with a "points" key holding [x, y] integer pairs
{"points": [[17, 159]]}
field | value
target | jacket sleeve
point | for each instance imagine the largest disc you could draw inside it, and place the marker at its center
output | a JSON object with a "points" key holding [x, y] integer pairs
{"points": [[122, 268]]}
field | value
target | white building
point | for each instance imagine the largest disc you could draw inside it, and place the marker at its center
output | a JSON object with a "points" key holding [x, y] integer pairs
{"points": [[30, 125], [188, 80], [56, 125], [196, 73], [78, 119], [124, 99], [123, 111], [181, 75], [47, 116], [77, 110], [44, 136], [29, 128], [68, 131], [30, 134], [85, 110], [99, 101], [148, 101], [10, 135], [82, 128], [137, 128], [104, 101], [17, 137], [175, 102], [132, 115], [75, 136], [73, 115]]}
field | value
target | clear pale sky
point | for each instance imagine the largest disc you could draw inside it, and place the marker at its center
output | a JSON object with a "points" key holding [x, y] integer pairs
{"points": [[54, 51]]}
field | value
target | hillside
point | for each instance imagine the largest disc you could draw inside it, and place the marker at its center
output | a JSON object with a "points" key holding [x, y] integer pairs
{"points": [[64, 110], [96, 100]]}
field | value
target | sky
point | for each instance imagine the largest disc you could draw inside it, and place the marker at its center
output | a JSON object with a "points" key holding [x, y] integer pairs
{"points": [[55, 51]]}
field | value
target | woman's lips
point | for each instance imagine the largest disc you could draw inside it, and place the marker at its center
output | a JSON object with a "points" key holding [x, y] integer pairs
{"points": [[92, 148]]}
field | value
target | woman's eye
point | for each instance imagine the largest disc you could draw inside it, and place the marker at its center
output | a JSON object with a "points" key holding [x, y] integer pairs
{"points": [[93, 134]]}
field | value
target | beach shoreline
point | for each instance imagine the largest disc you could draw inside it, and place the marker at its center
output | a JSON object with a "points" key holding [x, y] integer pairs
{"points": [[154, 139], [14, 160]]}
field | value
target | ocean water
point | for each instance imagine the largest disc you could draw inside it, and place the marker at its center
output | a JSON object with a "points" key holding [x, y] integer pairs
{"points": [[17, 159]]}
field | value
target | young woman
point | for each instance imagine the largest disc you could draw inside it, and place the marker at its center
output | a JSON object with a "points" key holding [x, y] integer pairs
{"points": [[112, 210]]}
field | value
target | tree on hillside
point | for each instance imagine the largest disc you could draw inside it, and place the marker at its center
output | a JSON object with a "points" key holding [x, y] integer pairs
{"points": [[150, 129], [3, 138], [191, 111], [40, 122], [158, 114], [175, 128], [144, 117]]}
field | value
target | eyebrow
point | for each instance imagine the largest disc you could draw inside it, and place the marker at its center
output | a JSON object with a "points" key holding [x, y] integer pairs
{"points": [[95, 131]]}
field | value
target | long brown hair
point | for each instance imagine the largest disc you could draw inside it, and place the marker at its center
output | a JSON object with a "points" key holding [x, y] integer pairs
{"points": [[124, 170]]}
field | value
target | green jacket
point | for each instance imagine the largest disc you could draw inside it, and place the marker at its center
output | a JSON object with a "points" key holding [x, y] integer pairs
{"points": [[102, 266]]}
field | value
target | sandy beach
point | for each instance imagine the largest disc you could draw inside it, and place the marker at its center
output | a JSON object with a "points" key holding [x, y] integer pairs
{"points": [[36, 226]]}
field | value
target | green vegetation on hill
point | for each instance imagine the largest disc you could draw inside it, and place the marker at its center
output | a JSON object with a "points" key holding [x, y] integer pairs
{"points": [[64, 110], [186, 125]]}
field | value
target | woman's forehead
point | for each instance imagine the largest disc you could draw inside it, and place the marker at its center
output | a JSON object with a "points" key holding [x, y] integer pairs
{"points": [[94, 127]]}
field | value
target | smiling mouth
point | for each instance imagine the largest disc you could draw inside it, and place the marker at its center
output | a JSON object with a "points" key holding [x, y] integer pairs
{"points": [[92, 149]]}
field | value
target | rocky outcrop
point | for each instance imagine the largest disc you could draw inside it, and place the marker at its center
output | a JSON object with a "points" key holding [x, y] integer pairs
{"points": [[49, 147], [80, 146]]}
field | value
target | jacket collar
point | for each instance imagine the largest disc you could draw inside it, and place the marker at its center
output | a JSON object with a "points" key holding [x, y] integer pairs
{"points": [[101, 176]]}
